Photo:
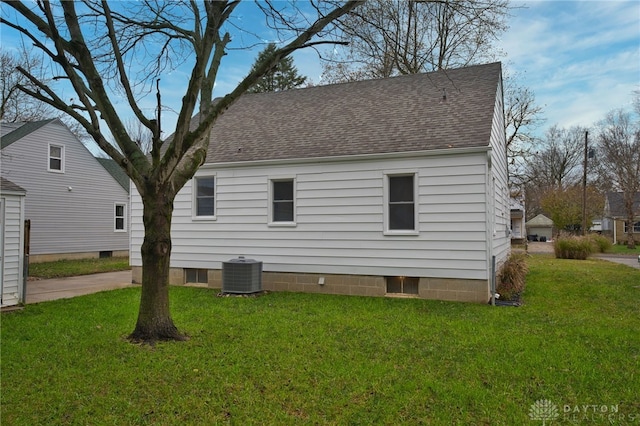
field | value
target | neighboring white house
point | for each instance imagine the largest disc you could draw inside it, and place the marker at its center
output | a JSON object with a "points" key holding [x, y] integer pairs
{"points": [[381, 187], [76, 206], [518, 230], [11, 243]]}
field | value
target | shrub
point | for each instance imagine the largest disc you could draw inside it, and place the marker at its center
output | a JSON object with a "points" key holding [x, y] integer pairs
{"points": [[572, 247], [600, 243], [512, 277]]}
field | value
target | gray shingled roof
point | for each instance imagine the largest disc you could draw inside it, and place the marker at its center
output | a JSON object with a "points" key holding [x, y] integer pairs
{"points": [[616, 205], [8, 186], [22, 131], [116, 171], [398, 114]]}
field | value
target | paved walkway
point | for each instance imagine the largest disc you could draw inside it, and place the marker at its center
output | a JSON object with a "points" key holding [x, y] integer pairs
{"points": [[60, 288], [625, 260]]}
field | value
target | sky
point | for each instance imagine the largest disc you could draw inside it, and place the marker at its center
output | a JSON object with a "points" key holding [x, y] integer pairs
{"points": [[581, 59]]}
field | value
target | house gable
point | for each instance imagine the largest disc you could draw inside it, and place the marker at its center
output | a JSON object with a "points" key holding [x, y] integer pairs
{"points": [[72, 208]]}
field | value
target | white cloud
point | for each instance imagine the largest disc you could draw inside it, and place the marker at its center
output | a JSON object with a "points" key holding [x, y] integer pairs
{"points": [[581, 59]]}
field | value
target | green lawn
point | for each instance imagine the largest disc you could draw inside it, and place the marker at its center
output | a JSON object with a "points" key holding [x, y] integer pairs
{"points": [[72, 268], [622, 249], [286, 358]]}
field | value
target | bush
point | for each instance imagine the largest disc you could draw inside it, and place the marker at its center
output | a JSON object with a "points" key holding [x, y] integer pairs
{"points": [[512, 277], [600, 243], [572, 247]]}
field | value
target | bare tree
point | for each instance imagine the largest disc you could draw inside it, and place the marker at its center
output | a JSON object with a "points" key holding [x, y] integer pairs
{"points": [[521, 116], [558, 161], [388, 38], [16, 105], [91, 45], [619, 160], [555, 165]]}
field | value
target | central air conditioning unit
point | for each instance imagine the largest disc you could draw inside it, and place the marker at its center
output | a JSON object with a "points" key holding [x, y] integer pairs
{"points": [[241, 276]]}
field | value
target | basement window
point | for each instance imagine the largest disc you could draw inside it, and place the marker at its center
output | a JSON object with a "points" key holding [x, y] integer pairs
{"points": [[196, 276], [402, 285]]}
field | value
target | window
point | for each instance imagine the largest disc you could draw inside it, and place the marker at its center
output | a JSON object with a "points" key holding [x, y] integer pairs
{"points": [[636, 227], [282, 201], [56, 158], [205, 196], [401, 214], [402, 285], [120, 217], [198, 276]]}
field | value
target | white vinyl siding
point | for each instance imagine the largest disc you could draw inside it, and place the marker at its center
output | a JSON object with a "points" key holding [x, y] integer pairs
{"points": [[71, 212], [339, 219], [500, 212], [11, 226]]}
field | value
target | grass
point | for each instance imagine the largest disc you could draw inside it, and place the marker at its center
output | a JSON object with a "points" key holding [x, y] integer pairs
{"points": [[622, 249], [72, 268], [286, 358]]}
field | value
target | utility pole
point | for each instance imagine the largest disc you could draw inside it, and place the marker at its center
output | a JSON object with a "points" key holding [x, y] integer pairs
{"points": [[584, 184]]}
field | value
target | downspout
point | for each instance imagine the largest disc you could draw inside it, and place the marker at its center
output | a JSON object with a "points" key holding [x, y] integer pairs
{"points": [[615, 232], [490, 191]]}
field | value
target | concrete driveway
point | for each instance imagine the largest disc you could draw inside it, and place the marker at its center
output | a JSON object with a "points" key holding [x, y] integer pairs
{"points": [[60, 288]]}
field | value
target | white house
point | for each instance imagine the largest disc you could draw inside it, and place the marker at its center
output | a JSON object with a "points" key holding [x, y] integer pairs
{"points": [[76, 206], [11, 243], [383, 187]]}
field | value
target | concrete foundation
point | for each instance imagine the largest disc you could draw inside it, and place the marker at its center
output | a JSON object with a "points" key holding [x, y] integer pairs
{"points": [[459, 290]]}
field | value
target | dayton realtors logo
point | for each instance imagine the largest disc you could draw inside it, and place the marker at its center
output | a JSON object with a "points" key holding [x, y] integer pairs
{"points": [[544, 410]]}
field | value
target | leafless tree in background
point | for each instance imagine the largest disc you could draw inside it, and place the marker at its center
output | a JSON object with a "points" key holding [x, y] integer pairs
{"points": [[619, 162], [16, 105]]}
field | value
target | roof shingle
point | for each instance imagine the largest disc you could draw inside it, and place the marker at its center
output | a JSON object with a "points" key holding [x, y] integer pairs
{"points": [[438, 110]]}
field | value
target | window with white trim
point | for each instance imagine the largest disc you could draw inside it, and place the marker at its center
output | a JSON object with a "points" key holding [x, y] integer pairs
{"points": [[636, 227], [204, 196], [401, 211], [120, 215], [56, 158], [283, 205]]}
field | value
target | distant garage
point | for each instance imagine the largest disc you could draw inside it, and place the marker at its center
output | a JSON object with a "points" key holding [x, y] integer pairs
{"points": [[540, 228]]}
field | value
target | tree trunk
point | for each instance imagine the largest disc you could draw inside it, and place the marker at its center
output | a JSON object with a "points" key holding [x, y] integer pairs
{"points": [[631, 244], [154, 319]]}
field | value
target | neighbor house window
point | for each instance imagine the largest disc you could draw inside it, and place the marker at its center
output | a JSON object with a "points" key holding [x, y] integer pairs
{"points": [[120, 217], [283, 201], [56, 158], [636, 227], [204, 200], [401, 203]]}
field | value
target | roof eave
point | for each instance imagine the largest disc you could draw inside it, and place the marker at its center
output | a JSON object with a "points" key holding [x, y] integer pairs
{"points": [[349, 158]]}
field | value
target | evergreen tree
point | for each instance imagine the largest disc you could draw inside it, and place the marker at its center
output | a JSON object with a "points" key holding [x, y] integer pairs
{"points": [[283, 76]]}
